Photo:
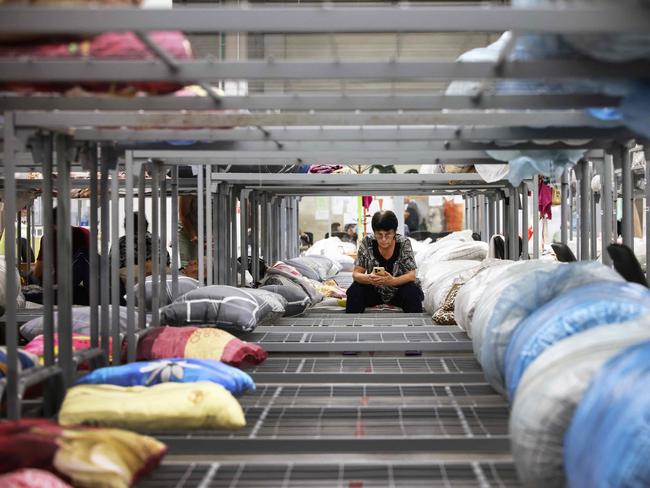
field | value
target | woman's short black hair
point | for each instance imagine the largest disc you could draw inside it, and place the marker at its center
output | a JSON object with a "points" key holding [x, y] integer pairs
{"points": [[385, 220]]}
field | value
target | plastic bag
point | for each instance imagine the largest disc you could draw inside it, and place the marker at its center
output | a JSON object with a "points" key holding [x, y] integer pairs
{"points": [[549, 392], [527, 286], [579, 309], [606, 444], [471, 292]]}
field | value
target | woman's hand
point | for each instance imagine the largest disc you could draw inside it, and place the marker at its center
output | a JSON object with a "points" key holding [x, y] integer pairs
{"points": [[385, 279]]}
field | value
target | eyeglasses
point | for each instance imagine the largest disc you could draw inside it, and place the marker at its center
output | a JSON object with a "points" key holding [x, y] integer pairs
{"points": [[384, 236]]}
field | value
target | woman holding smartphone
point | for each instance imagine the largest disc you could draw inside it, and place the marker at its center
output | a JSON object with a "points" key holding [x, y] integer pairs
{"points": [[385, 270]]}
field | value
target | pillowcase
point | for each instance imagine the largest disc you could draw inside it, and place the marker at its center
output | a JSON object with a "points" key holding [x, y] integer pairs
{"points": [[276, 273], [87, 457], [80, 322], [325, 267], [194, 342], [297, 300], [185, 284], [276, 301], [166, 406], [225, 307], [305, 269], [79, 342], [190, 370]]}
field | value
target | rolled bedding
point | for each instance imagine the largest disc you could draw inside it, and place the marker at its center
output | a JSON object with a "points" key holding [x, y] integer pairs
{"points": [[607, 441], [579, 309], [526, 286], [470, 293], [549, 392]]}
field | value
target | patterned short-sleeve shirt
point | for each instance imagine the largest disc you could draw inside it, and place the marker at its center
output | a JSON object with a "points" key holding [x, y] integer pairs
{"points": [[405, 261]]}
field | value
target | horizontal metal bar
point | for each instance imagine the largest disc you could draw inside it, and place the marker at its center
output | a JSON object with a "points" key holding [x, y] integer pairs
{"points": [[272, 148], [542, 118], [450, 190], [325, 157], [443, 133], [325, 328], [344, 179], [182, 444], [298, 101], [212, 71], [400, 18], [459, 346], [373, 378]]}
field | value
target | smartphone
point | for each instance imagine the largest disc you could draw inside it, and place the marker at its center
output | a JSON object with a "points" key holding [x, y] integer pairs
{"points": [[378, 270]]}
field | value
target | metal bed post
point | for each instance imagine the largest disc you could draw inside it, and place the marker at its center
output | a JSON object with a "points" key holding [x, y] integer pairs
{"points": [[95, 275], [115, 265], [11, 329], [209, 248], [216, 234], [64, 260], [255, 244], [296, 212], [506, 221], [478, 216], [233, 236], [160, 167], [280, 225], [130, 258], [498, 213], [577, 207], [627, 227], [512, 221], [466, 211], [155, 246], [243, 235], [291, 225], [220, 243], [18, 221], [200, 205], [47, 251], [30, 234], [536, 217], [566, 229], [491, 210], [227, 238], [264, 226], [174, 184], [524, 220], [606, 205], [585, 206], [272, 230], [594, 207], [104, 203], [142, 250], [485, 221]]}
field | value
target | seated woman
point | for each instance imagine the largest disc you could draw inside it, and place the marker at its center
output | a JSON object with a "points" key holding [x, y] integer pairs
{"points": [[397, 285]]}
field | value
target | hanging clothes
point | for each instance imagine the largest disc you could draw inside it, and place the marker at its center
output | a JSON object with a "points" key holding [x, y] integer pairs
{"points": [[545, 199]]}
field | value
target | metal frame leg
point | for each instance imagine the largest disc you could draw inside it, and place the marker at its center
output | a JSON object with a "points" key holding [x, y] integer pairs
{"points": [[130, 259], [155, 247], [606, 204], [585, 207], [142, 249], [115, 267], [627, 227], [105, 259], [11, 329], [174, 188], [64, 260], [524, 220]]}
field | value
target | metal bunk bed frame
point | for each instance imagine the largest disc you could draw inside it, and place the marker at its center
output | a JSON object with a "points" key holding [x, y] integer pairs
{"points": [[60, 132]]}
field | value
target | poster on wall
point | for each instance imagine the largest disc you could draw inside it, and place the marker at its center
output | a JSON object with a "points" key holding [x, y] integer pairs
{"points": [[322, 211]]}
